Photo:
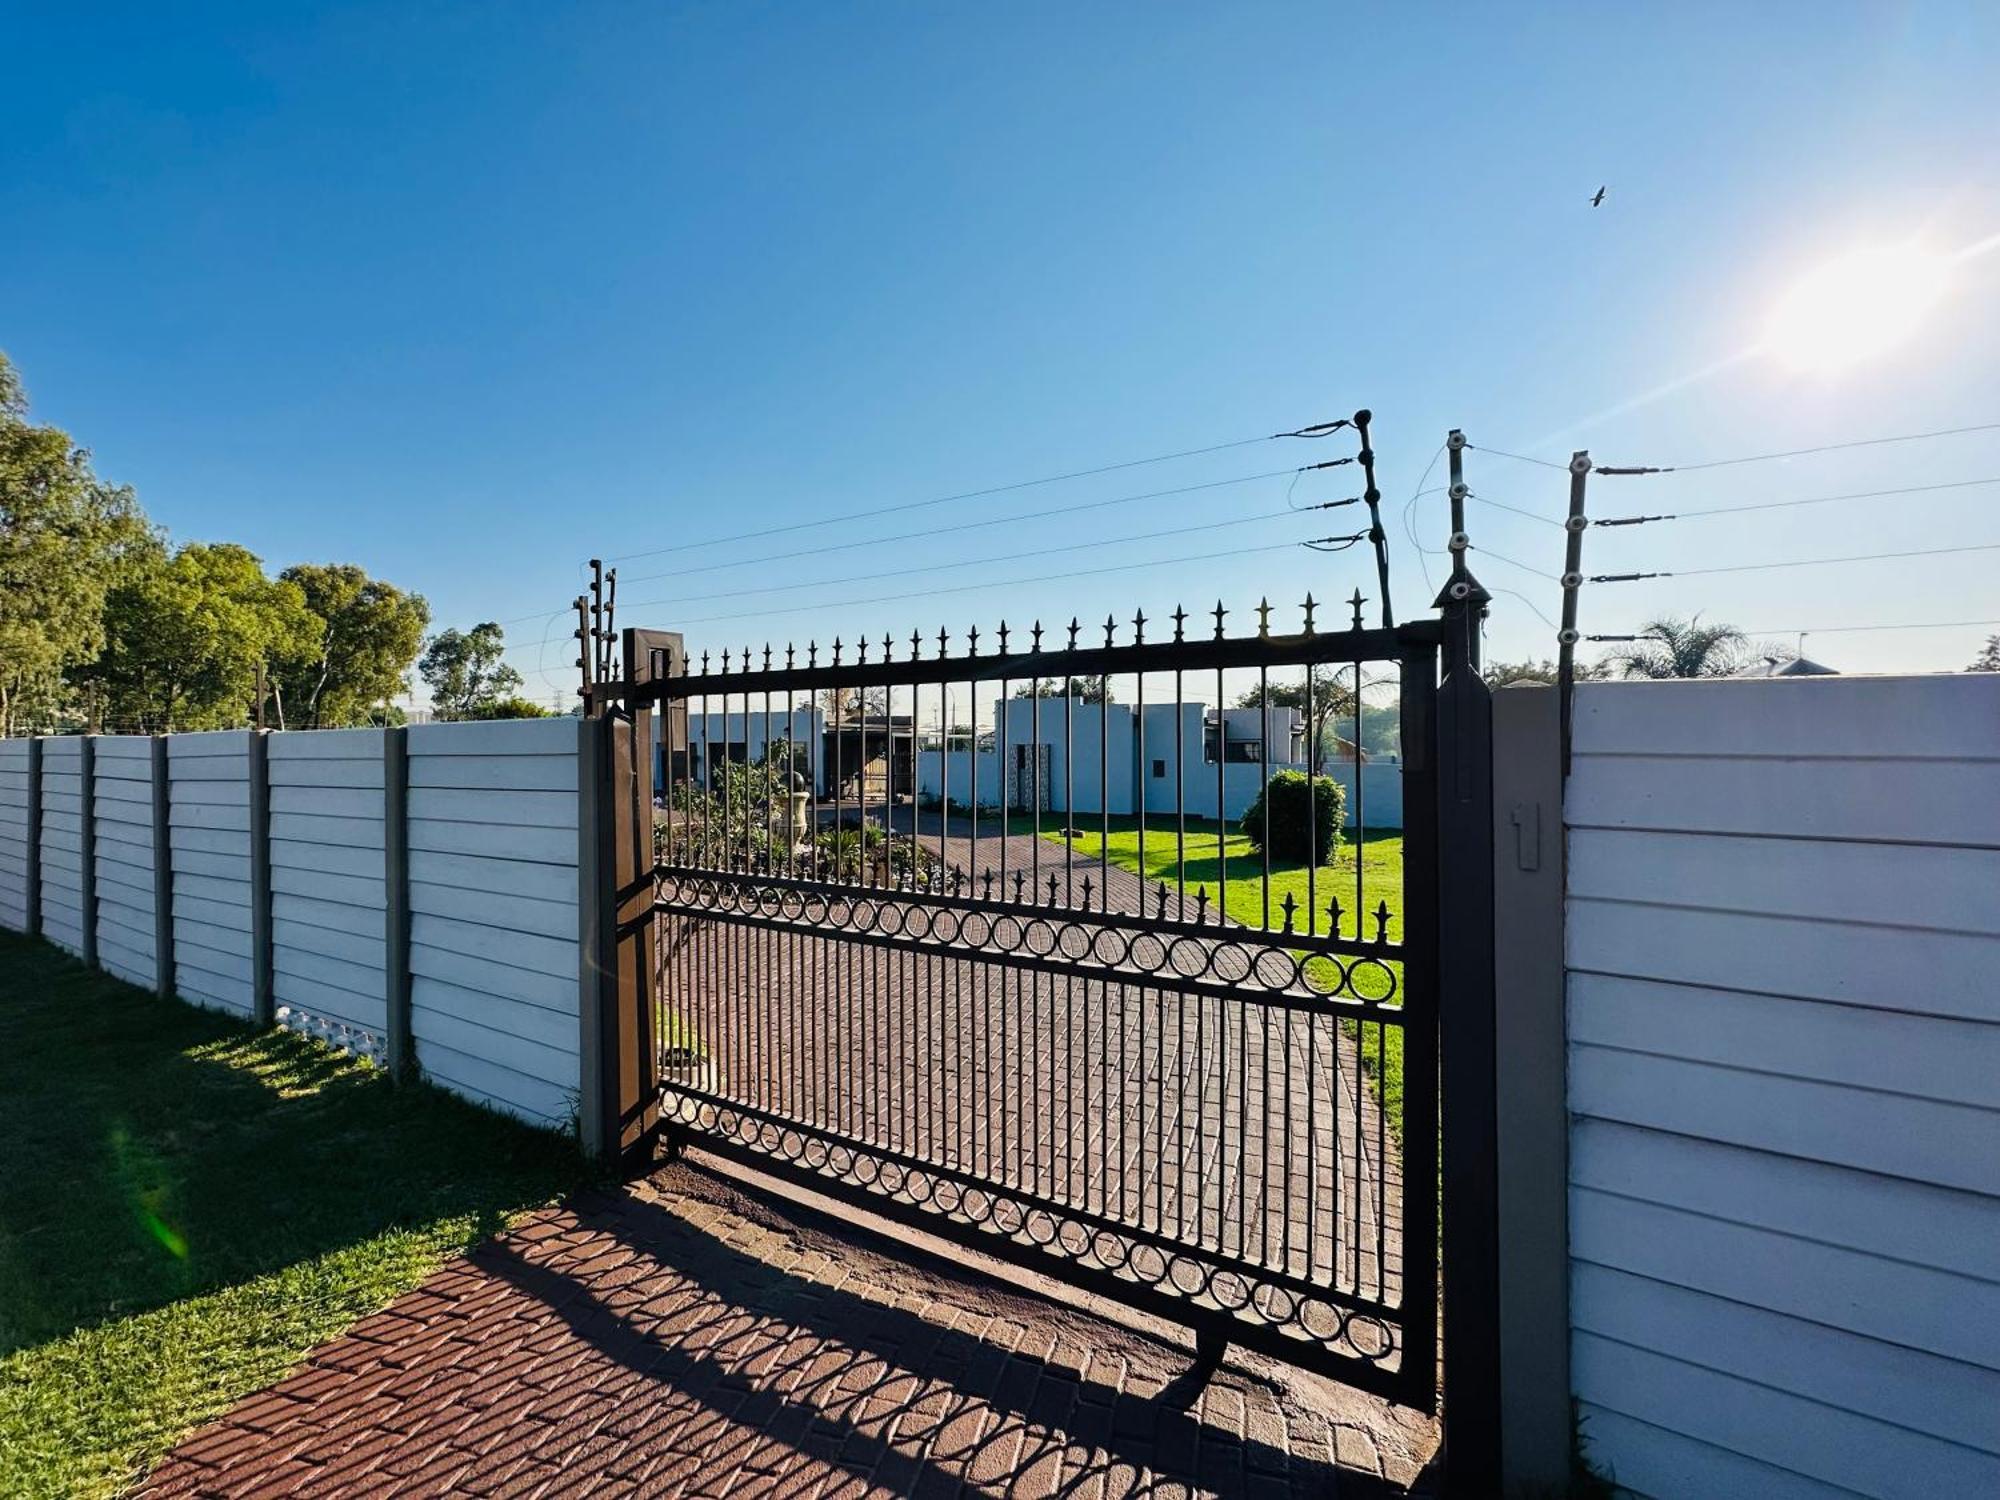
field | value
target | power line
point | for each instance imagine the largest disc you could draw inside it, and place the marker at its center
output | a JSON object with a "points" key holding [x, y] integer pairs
{"points": [[1316, 430], [998, 583]]}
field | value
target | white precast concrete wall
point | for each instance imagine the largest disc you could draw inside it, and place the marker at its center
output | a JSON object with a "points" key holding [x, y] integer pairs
{"points": [[63, 917], [14, 824], [122, 814], [1784, 1084], [329, 903], [208, 817], [494, 959]]}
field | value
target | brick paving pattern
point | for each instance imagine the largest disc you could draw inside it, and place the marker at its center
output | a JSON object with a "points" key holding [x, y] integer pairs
{"points": [[682, 1338]]}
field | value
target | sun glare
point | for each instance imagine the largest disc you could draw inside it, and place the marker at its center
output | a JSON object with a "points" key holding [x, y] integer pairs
{"points": [[1856, 307]]}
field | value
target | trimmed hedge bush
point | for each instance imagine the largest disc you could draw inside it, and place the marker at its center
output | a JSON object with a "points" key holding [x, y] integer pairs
{"points": [[1307, 814]]}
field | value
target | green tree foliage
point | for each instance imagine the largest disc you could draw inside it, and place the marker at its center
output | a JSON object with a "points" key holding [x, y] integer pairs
{"points": [[1988, 660], [1090, 688], [1305, 817], [369, 635], [65, 538], [1499, 674], [466, 672], [1505, 673], [1671, 647], [186, 636], [510, 708]]}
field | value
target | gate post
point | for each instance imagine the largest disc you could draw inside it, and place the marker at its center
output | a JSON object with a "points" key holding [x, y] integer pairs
{"points": [[620, 1053], [1466, 1041], [1532, 1145]]}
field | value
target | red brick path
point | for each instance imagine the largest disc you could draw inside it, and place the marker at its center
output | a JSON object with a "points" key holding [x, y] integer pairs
{"points": [[682, 1338]]}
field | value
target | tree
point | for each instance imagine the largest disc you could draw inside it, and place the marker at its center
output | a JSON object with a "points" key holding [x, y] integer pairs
{"points": [[465, 673], [1988, 660], [1328, 702], [1090, 688], [848, 705], [65, 538], [370, 633], [186, 637], [1671, 647], [509, 708], [1499, 674]]}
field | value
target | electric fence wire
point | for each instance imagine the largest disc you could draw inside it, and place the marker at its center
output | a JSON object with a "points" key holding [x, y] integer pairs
{"points": [[1811, 562], [1749, 458], [997, 583], [976, 562], [765, 559], [1315, 430]]}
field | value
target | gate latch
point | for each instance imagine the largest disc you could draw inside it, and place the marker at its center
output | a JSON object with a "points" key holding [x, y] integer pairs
{"points": [[1527, 820]]}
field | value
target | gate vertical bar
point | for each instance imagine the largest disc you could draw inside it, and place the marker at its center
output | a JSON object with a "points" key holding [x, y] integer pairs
{"points": [[630, 753], [1466, 1041]]}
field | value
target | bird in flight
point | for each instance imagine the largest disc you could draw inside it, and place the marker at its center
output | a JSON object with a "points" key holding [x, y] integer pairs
{"points": [[1598, 198]]}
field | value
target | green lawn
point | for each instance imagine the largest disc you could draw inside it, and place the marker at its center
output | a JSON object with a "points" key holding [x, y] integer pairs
{"points": [[189, 1205], [1210, 854]]}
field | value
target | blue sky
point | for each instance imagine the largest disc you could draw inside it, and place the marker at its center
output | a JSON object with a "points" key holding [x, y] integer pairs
{"points": [[469, 294]]}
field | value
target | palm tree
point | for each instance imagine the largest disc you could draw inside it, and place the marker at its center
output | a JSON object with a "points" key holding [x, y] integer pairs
{"points": [[1670, 647]]}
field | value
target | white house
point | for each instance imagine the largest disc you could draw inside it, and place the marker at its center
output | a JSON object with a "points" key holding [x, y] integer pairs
{"points": [[1092, 758]]}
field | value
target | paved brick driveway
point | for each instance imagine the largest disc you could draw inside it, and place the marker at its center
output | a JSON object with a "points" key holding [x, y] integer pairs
{"points": [[1243, 1137], [682, 1338]]}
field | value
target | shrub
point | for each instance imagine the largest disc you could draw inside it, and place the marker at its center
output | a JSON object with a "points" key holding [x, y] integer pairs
{"points": [[1306, 814]]}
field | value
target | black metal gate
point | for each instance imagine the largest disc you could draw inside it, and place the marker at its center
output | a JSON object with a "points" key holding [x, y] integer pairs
{"points": [[1064, 993]]}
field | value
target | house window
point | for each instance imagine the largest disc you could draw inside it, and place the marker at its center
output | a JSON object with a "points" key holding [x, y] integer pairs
{"points": [[1159, 770]]}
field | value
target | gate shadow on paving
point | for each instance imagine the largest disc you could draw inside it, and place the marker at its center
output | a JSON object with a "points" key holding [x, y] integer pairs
{"points": [[684, 1338]]}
